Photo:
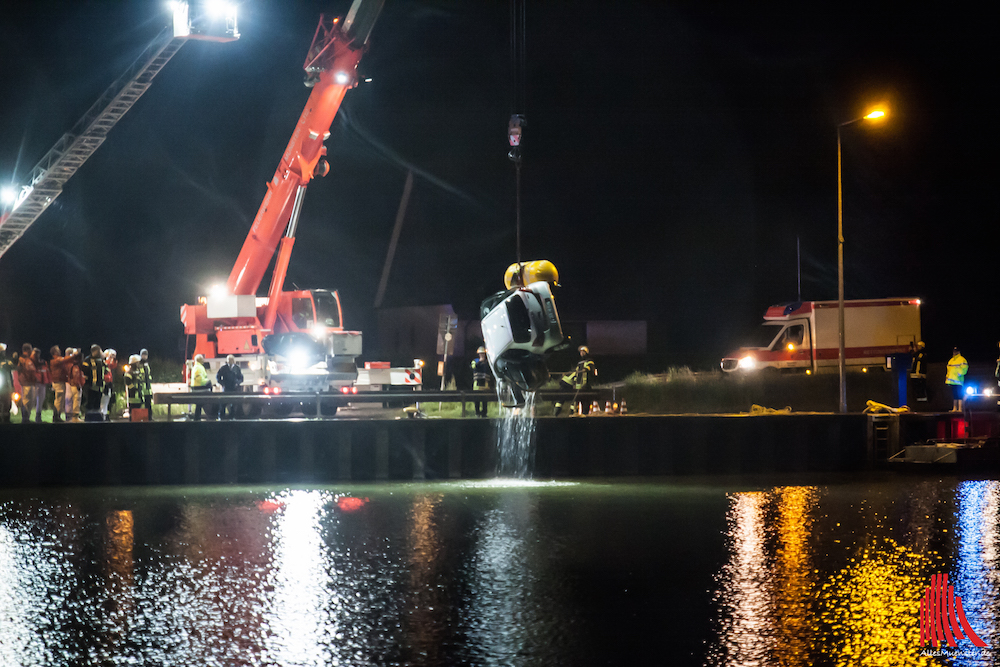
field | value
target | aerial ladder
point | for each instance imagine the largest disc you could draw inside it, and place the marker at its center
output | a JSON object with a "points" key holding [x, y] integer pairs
{"points": [[23, 205], [233, 319]]}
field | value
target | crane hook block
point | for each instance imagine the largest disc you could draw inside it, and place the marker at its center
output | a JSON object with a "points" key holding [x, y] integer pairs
{"points": [[514, 129]]}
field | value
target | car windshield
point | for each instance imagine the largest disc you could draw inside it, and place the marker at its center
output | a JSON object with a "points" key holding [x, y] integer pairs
{"points": [[764, 335]]}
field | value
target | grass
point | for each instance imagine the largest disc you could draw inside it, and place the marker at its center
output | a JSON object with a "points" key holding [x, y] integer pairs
{"points": [[454, 410], [680, 391], [159, 413]]}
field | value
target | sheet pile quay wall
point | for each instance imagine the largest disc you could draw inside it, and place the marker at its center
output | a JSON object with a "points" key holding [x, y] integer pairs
{"points": [[317, 452]]}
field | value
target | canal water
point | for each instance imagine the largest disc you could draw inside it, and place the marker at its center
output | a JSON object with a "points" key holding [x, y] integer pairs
{"points": [[714, 571]]}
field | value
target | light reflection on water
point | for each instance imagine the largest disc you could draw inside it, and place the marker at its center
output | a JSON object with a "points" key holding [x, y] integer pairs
{"points": [[497, 572], [804, 585]]}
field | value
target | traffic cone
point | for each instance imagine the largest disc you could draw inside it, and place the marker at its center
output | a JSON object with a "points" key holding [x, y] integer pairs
{"points": [[594, 407], [624, 410], [607, 407]]}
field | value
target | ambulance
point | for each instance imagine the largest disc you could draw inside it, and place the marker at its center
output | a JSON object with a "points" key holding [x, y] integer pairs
{"points": [[803, 336]]}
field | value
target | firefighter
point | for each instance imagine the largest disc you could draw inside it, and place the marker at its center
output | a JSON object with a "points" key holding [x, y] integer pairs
{"points": [[135, 388], [93, 382], [10, 389], [918, 372], [147, 379], [955, 379], [481, 378], [578, 379], [57, 375], [108, 399], [75, 381], [43, 378], [28, 376]]}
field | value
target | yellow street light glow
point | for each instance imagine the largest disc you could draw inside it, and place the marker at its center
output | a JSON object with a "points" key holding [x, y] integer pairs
{"points": [[878, 113]]}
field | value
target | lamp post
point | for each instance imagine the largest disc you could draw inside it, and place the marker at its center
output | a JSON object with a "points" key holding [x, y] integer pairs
{"points": [[874, 115]]}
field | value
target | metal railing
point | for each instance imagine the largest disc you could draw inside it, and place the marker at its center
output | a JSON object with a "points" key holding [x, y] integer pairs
{"points": [[316, 403]]}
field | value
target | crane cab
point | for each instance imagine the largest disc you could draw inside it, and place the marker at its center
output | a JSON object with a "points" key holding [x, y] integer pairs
{"points": [[318, 313], [314, 311]]}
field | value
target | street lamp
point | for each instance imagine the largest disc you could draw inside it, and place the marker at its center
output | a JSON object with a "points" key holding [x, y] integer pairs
{"points": [[877, 114]]}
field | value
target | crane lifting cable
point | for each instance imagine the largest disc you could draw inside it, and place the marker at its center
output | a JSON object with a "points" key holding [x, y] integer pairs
{"points": [[515, 126], [520, 324]]}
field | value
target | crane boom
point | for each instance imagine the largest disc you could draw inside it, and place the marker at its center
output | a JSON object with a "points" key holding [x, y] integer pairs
{"points": [[48, 177], [233, 319], [331, 69]]}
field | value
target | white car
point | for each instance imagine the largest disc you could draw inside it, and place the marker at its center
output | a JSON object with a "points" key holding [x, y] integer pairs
{"points": [[520, 327]]}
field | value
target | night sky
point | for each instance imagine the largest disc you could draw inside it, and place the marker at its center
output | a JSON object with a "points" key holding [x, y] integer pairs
{"points": [[673, 156]]}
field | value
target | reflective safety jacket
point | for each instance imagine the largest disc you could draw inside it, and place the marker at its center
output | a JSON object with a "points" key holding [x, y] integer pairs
{"points": [[94, 371], [199, 376], [579, 377], [481, 374], [957, 368], [134, 386]]}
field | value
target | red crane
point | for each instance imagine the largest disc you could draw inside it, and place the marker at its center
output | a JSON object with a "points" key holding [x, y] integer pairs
{"points": [[236, 320]]}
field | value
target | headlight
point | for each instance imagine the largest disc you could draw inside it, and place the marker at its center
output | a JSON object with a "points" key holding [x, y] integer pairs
{"points": [[970, 390], [748, 362], [298, 359]]}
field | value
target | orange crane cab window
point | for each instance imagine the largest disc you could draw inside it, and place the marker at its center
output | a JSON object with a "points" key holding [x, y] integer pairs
{"points": [[327, 309], [302, 313]]}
